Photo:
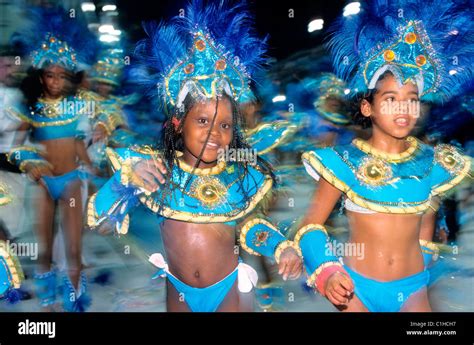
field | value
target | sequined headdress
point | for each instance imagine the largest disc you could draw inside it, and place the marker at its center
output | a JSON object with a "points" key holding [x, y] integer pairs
{"points": [[108, 68], [427, 42], [210, 50], [55, 36]]}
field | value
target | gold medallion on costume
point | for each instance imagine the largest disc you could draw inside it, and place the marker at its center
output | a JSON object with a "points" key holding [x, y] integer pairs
{"points": [[261, 238], [374, 171], [209, 190], [449, 158]]}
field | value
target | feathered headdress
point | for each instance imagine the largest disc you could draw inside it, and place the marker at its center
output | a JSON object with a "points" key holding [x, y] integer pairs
{"points": [[55, 36], [210, 50], [429, 42]]}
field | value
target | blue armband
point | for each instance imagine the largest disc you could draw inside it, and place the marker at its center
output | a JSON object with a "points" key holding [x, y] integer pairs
{"points": [[316, 249], [260, 237], [112, 202], [20, 156]]}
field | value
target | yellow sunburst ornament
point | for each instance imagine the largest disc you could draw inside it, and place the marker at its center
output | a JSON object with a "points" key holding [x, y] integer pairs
{"points": [[209, 190], [374, 171]]}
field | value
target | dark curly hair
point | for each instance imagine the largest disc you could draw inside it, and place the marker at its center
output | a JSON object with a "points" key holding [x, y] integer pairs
{"points": [[172, 142]]}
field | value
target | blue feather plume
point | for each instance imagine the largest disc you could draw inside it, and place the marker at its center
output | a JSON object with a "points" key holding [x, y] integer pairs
{"points": [[448, 24], [230, 27], [58, 22]]}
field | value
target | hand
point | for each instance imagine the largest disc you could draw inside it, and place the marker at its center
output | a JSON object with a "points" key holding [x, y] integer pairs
{"points": [[290, 265], [36, 171], [148, 174], [339, 287]]}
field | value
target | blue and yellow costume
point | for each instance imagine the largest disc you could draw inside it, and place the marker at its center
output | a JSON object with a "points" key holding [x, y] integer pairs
{"points": [[55, 38], [210, 51], [416, 47], [11, 273]]}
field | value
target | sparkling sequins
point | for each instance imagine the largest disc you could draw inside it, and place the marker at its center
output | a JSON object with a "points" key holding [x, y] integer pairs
{"points": [[209, 190], [374, 171], [449, 158]]}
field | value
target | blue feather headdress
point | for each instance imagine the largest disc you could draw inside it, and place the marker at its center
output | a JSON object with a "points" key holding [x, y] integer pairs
{"points": [[428, 42], [210, 50], [56, 37]]}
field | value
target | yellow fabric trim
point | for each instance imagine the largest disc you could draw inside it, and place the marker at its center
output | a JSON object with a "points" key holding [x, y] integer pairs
{"points": [[354, 197], [284, 245], [456, 180], [167, 212], [245, 229], [13, 264], [220, 167], [364, 146], [196, 218], [311, 281], [306, 229], [430, 245]]}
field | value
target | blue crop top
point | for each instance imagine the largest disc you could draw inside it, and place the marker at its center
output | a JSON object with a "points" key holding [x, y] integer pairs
{"points": [[54, 120]]}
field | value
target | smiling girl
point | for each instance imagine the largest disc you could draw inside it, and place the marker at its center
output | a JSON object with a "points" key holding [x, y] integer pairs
{"points": [[391, 181], [200, 196]]}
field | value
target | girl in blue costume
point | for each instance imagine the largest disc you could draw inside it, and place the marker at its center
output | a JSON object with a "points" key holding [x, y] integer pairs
{"points": [[201, 63], [58, 43], [392, 53]]}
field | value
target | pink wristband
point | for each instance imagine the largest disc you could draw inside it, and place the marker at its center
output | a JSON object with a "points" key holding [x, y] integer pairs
{"points": [[324, 275]]}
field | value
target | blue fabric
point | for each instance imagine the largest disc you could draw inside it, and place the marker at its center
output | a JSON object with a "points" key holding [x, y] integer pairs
{"points": [[410, 182], [206, 299], [316, 250], [55, 132], [390, 296], [45, 285], [263, 239], [5, 277], [56, 185]]}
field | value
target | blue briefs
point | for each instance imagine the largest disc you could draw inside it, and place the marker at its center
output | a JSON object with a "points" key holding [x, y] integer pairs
{"points": [[388, 296]]}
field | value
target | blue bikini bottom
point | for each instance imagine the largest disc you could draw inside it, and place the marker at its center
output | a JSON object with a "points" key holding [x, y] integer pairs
{"points": [[208, 299], [388, 296], [56, 185]]}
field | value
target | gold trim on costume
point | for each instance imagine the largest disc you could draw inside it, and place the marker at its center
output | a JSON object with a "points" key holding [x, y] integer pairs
{"points": [[306, 229], [246, 227], [201, 218], [390, 157], [12, 265], [284, 245], [217, 169], [408, 208], [446, 185]]}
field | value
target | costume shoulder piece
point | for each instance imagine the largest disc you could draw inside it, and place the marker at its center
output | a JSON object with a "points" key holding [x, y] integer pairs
{"points": [[389, 183], [220, 194]]}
